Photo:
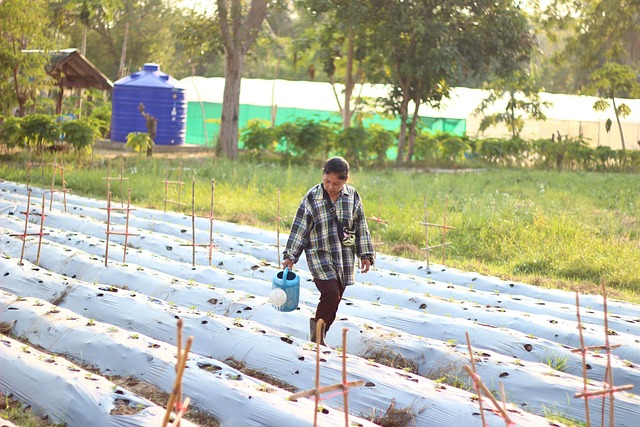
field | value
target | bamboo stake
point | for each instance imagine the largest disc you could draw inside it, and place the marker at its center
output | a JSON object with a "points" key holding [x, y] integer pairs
{"points": [[584, 362], [180, 414], [213, 187], [444, 231], [476, 383], [345, 395], [126, 229], [380, 221], [193, 220], [278, 230], [609, 371], [426, 233], [503, 396], [605, 391], [487, 392], [327, 388], [25, 234], [179, 356], [319, 325], [26, 225], [106, 252], [166, 186], [182, 361], [42, 216], [277, 219]]}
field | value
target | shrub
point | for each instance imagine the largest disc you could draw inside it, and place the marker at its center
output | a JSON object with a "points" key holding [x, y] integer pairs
{"points": [[380, 141], [139, 141], [101, 116], [259, 136], [80, 134], [11, 135], [452, 147], [40, 130], [352, 143], [306, 138], [425, 146]]}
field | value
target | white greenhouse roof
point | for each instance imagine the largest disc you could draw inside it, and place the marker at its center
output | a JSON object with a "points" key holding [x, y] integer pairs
{"points": [[319, 96]]}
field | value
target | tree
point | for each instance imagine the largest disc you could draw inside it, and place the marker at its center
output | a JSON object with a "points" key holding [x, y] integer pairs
{"points": [[598, 31], [199, 39], [142, 28], [238, 34], [613, 80], [424, 46], [340, 37], [23, 27], [523, 96]]}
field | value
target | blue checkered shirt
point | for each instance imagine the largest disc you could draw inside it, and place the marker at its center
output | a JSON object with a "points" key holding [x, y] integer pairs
{"points": [[315, 232]]}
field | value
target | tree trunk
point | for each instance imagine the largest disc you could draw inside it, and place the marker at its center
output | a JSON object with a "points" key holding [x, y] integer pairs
{"points": [[238, 34], [228, 139], [348, 84], [412, 130], [123, 54], [404, 116], [615, 110]]}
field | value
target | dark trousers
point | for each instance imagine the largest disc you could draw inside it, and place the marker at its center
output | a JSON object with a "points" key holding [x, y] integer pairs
{"points": [[330, 295]]}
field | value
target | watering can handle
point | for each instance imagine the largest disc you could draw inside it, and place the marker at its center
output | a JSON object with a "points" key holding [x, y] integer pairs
{"points": [[285, 274]]}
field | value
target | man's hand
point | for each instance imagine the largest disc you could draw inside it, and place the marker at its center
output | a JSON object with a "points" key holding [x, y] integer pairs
{"points": [[288, 264], [365, 265]]}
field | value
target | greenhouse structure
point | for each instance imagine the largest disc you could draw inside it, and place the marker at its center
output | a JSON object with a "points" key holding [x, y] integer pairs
{"points": [[280, 101]]}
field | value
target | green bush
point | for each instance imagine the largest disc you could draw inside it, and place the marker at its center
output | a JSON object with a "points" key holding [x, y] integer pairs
{"points": [[380, 141], [11, 135], [101, 116], [353, 144], [40, 130], [307, 138], [139, 141], [452, 147], [80, 134], [258, 136], [425, 147]]}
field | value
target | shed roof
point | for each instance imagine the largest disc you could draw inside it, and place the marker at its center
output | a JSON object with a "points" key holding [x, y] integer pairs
{"points": [[71, 69]]}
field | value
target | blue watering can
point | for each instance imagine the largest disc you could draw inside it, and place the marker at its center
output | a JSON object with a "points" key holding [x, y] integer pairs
{"points": [[289, 282]]}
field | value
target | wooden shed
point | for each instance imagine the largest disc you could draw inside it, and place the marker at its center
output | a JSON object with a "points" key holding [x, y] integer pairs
{"points": [[72, 70]]}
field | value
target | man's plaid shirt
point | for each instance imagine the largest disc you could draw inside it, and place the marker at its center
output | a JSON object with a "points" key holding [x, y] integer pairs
{"points": [[315, 231]]}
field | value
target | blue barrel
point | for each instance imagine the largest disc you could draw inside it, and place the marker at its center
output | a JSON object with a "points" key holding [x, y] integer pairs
{"points": [[161, 98], [289, 282]]}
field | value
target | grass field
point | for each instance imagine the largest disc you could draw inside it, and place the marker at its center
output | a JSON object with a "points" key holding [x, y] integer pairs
{"points": [[570, 230]]}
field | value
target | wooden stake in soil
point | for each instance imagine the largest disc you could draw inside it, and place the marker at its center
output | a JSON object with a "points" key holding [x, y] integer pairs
{"points": [[479, 386], [120, 178], [213, 188], [583, 353], [124, 233], [58, 169], [25, 234], [277, 219], [476, 385], [609, 388], [444, 227], [179, 184], [318, 390], [379, 221], [175, 398], [193, 224]]}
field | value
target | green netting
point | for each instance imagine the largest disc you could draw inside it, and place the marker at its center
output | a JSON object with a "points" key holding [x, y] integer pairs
{"points": [[205, 132]]}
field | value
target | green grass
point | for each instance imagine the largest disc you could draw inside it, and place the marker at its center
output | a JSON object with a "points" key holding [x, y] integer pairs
{"points": [[550, 228]]}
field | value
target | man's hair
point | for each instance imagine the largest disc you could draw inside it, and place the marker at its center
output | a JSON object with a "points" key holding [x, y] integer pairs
{"points": [[337, 165]]}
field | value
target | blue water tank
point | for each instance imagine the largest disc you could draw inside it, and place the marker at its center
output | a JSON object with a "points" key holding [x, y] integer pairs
{"points": [[161, 98]]}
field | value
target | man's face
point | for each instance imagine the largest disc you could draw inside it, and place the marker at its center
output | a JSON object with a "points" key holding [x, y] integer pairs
{"points": [[332, 183]]}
